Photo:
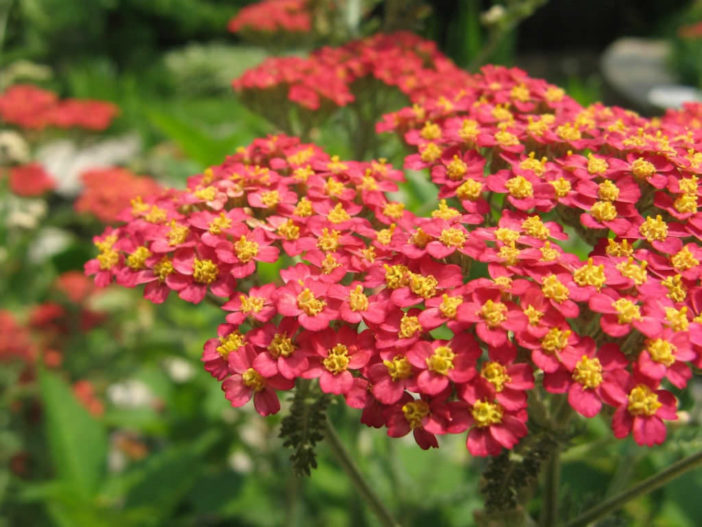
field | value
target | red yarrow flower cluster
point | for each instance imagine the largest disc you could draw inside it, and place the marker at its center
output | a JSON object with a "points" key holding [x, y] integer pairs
{"points": [[271, 16], [108, 191], [385, 307], [326, 78], [30, 107]]}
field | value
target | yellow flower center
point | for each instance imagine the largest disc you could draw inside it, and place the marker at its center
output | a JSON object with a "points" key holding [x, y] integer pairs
{"points": [[554, 94], [596, 166], [441, 361], [409, 326], [246, 250], [469, 130], [677, 319], [329, 264], [108, 258], [394, 210], [561, 187], [608, 191], [469, 190], [568, 132], [590, 274], [309, 303], [520, 93], [329, 240], [358, 300], [338, 214], [505, 138], [230, 343], [509, 254], [533, 314], [519, 187], [415, 412], [163, 268], [661, 351], [643, 401], [506, 235], [534, 227], [642, 169], [430, 131], [453, 237], [303, 209], [486, 414], [603, 211], [630, 269], [686, 203], [677, 291], [254, 380], [548, 253], [251, 304], [137, 259], [554, 289], [337, 360], [689, 185], [398, 368], [333, 187], [430, 153], [444, 212], [555, 340], [684, 260], [588, 372], [218, 224], [281, 346], [205, 271], [420, 238], [493, 313], [289, 230], [424, 286], [396, 276], [623, 249], [654, 229], [456, 169], [627, 311], [449, 305], [496, 374], [206, 194], [177, 233], [384, 236]]}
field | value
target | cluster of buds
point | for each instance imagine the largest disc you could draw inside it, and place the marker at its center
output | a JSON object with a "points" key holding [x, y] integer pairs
{"points": [[562, 256], [273, 16], [30, 107], [325, 78]]}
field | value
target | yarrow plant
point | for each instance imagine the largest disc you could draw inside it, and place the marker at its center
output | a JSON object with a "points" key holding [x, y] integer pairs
{"points": [[561, 263]]}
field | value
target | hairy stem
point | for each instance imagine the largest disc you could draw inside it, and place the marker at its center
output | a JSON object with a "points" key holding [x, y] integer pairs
{"points": [[361, 485], [648, 485], [549, 510]]}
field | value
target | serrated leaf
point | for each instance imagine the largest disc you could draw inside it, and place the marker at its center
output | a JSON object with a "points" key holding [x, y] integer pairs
{"points": [[77, 441]]}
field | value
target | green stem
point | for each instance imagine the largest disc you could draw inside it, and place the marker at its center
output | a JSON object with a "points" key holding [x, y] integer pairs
{"points": [[646, 486], [549, 511], [351, 470]]}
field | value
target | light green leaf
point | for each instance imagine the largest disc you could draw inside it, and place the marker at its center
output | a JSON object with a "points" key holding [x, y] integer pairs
{"points": [[77, 442]]}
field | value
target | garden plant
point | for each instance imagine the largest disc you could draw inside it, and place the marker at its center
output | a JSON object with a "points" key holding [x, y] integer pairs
{"points": [[491, 267]]}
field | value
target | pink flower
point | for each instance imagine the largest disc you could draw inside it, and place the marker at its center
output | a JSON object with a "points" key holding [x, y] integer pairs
{"points": [[442, 361], [247, 382], [643, 411], [334, 354]]}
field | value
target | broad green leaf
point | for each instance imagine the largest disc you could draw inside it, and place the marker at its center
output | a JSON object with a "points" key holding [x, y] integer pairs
{"points": [[77, 442], [166, 477]]}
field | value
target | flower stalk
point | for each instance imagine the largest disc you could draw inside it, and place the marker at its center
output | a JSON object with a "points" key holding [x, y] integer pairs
{"points": [[648, 485], [360, 484]]}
